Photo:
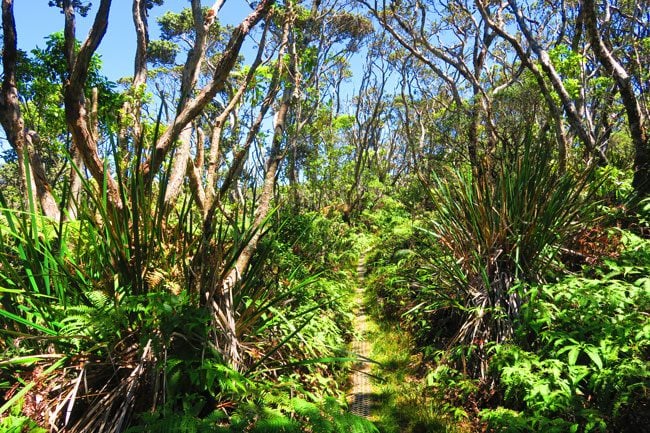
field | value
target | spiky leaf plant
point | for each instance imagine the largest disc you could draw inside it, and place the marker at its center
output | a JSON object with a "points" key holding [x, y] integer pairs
{"points": [[105, 317], [78, 291], [495, 231]]}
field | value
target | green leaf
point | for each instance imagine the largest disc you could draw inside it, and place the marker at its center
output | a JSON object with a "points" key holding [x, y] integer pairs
{"points": [[592, 352], [573, 355], [26, 322]]}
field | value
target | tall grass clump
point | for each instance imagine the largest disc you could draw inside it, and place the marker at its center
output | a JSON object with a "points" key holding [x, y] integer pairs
{"points": [[91, 308], [495, 231]]}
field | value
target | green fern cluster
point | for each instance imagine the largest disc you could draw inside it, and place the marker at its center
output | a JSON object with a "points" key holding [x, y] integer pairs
{"points": [[283, 415], [581, 362]]}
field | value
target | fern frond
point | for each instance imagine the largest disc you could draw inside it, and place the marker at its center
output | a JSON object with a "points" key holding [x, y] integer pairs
{"points": [[154, 278]]}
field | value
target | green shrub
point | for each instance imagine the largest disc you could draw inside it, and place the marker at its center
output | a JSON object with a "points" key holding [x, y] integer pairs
{"points": [[494, 231], [581, 363], [112, 306]]}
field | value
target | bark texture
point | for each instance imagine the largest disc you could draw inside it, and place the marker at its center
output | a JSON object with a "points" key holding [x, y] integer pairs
{"points": [[636, 120], [77, 117], [24, 142]]}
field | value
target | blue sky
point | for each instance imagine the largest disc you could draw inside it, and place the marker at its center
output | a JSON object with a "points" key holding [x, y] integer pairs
{"points": [[35, 20]]}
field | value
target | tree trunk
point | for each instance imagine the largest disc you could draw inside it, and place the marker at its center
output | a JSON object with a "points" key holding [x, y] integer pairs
{"points": [[573, 117], [77, 118], [223, 308], [194, 107], [39, 181], [179, 166], [635, 117], [232, 352], [21, 140]]}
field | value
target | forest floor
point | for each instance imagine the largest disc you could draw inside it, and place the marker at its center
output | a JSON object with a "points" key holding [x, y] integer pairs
{"points": [[387, 385]]}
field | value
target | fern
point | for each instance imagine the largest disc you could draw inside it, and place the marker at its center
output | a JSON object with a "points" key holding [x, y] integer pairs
{"points": [[181, 423], [587, 369], [77, 324], [98, 299]]}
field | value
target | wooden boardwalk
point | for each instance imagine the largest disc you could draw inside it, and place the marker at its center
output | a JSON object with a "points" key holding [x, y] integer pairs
{"points": [[360, 398]]}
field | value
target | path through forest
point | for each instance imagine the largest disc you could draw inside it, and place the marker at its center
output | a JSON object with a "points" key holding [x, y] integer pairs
{"points": [[361, 394]]}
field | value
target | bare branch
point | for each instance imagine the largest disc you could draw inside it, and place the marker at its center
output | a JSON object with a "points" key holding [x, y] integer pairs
{"points": [[194, 106]]}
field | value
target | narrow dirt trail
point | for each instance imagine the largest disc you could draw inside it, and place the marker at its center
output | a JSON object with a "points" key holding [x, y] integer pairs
{"points": [[360, 398]]}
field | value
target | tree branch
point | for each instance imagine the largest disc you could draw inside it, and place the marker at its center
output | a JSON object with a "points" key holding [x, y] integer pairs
{"points": [[194, 107]]}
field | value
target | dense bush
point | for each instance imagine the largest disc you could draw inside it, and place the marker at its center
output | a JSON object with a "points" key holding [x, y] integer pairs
{"points": [[496, 230], [470, 287], [579, 362], [107, 307], [455, 277]]}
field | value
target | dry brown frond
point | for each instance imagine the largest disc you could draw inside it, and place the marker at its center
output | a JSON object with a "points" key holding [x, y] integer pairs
{"points": [[154, 278]]}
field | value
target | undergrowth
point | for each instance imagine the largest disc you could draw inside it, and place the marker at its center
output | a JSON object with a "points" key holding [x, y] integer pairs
{"points": [[579, 361], [101, 339], [577, 356], [403, 402]]}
